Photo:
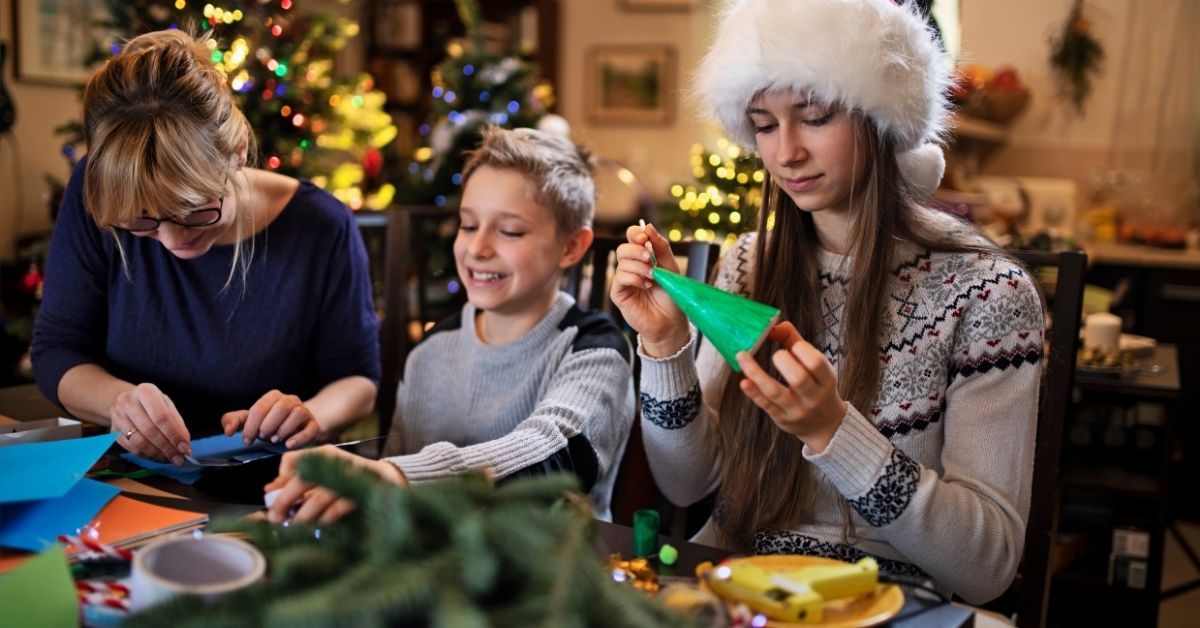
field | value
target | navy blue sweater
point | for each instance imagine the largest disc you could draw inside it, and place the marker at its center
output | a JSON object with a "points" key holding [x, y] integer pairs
{"points": [[304, 319]]}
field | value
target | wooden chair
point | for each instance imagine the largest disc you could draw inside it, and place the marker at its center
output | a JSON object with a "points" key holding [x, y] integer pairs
{"points": [[588, 282], [1032, 587], [417, 251]]}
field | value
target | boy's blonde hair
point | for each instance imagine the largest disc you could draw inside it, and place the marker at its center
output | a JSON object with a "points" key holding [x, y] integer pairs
{"points": [[163, 134], [561, 171]]}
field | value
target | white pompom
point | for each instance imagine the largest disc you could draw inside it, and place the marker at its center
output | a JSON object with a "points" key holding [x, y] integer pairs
{"points": [[923, 167], [555, 125]]}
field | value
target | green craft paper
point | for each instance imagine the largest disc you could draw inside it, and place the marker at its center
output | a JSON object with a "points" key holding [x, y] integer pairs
{"points": [[40, 592], [730, 322]]}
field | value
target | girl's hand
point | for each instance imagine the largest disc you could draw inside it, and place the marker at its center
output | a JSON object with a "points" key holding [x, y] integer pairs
{"points": [[149, 425], [275, 417], [646, 306], [806, 404], [317, 503]]}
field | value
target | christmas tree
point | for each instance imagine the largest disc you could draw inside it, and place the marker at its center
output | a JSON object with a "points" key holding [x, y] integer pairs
{"points": [[451, 553], [722, 200], [279, 61], [473, 87]]}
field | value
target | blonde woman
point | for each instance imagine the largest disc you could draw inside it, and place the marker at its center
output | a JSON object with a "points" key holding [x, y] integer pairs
{"points": [[187, 292], [894, 415]]}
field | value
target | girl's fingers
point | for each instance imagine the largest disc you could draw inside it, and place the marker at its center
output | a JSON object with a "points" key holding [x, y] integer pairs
{"points": [[785, 333], [815, 363], [755, 395], [793, 372]]}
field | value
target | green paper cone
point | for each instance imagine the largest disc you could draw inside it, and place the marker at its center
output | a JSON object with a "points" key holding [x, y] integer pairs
{"points": [[730, 322]]}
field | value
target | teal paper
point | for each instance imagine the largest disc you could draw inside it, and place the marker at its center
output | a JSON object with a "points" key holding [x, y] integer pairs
{"points": [[46, 470], [37, 524], [40, 592], [219, 446]]}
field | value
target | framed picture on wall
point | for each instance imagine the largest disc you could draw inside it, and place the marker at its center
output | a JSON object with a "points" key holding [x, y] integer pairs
{"points": [[630, 84], [656, 5], [54, 39]]}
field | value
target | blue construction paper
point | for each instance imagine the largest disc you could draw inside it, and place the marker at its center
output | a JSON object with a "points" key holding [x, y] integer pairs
{"points": [[219, 446], [45, 470], [34, 525]]}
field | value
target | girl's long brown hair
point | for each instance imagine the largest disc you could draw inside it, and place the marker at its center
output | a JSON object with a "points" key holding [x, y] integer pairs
{"points": [[765, 481]]}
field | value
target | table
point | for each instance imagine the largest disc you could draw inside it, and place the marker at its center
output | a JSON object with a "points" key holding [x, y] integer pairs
{"points": [[245, 497], [26, 403]]}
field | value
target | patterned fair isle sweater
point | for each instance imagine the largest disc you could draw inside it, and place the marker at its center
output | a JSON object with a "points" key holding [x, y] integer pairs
{"points": [[559, 398], [938, 471]]}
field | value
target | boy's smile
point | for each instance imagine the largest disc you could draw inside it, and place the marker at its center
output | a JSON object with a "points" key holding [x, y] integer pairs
{"points": [[508, 251]]}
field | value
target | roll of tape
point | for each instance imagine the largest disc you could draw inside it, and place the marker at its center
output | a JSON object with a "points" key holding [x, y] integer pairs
{"points": [[208, 566]]}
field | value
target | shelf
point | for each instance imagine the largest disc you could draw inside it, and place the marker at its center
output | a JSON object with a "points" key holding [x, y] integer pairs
{"points": [[966, 127], [1092, 580], [1111, 480]]}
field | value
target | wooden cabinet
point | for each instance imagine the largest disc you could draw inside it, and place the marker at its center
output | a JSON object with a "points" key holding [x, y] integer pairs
{"points": [[1115, 468]]}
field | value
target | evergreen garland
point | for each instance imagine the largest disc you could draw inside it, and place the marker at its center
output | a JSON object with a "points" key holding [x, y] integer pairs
{"points": [[455, 553], [1075, 55]]}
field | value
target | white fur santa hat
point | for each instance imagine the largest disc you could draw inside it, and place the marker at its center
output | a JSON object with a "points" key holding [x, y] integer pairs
{"points": [[871, 55]]}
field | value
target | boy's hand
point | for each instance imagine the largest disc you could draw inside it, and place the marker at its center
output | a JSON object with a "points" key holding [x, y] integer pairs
{"points": [[806, 404], [646, 306], [275, 417], [149, 425], [317, 503]]}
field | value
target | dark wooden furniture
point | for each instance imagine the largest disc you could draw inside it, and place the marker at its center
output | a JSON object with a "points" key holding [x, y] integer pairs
{"points": [[1066, 304], [1116, 470], [589, 283], [418, 287]]}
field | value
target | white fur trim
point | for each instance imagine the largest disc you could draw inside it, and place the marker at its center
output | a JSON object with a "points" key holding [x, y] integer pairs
{"points": [[870, 55], [923, 167]]}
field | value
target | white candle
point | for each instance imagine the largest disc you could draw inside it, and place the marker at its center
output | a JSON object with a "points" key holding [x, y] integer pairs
{"points": [[1102, 331]]}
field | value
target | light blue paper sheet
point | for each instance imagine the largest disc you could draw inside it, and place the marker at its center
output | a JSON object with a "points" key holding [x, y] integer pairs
{"points": [[35, 525], [219, 446], [45, 470]]}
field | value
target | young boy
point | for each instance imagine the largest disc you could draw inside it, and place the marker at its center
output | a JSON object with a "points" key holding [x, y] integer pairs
{"points": [[521, 381]]}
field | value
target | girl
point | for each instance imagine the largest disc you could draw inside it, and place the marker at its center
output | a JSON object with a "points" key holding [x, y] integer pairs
{"points": [[894, 414]]}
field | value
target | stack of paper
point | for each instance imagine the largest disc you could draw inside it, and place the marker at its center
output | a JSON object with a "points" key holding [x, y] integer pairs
{"points": [[44, 493]]}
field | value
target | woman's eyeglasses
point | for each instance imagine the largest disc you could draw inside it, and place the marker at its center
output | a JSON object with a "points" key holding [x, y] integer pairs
{"points": [[202, 217]]}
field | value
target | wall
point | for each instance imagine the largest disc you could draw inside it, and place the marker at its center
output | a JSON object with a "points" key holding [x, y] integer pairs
{"points": [[658, 155], [40, 108], [31, 151], [1045, 141], [1049, 140]]}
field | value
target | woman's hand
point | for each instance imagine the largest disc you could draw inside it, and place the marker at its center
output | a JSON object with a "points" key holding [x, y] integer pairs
{"points": [[149, 425], [317, 503], [806, 404], [646, 306], [275, 417]]}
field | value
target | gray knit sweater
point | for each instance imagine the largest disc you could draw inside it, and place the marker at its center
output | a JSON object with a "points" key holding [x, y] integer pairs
{"points": [[559, 397], [938, 471]]}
